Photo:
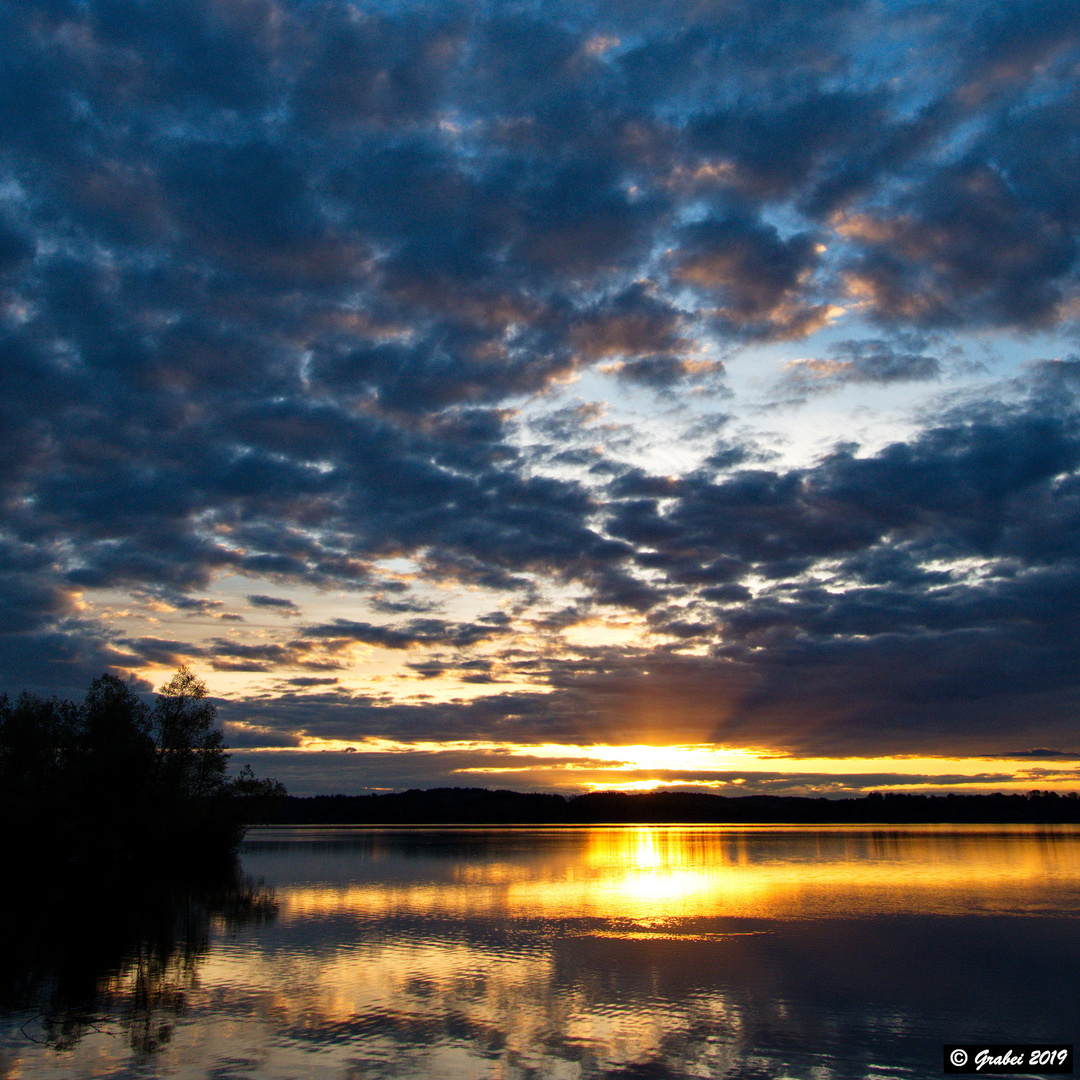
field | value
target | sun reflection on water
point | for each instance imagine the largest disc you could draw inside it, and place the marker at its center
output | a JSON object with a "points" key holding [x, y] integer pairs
{"points": [[573, 954], [680, 873]]}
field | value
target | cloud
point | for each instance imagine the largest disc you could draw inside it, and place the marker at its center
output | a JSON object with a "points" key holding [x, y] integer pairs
{"points": [[375, 69], [775, 148], [633, 323], [15, 248], [661, 372], [293, 294], [968, 252], [758, 279], [874, 362], [417, 631], [273, 603]]}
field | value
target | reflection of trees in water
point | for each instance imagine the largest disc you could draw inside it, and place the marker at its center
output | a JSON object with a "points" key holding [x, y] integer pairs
{"points": [[90, 954]]}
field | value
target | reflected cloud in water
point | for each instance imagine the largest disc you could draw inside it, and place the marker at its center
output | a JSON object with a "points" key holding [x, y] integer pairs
{"points": [[629, 952], [84, 954]]}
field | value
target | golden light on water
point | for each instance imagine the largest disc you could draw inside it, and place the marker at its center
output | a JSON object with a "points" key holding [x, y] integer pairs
{"points": [[508, 952], [658, 877], [476, 935]]}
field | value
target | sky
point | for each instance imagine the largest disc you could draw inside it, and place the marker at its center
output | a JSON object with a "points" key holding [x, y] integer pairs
{"points": [[552, 396]]}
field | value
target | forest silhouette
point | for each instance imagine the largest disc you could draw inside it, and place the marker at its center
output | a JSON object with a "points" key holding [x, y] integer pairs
{"points": [[481, 806], [113, 779]]}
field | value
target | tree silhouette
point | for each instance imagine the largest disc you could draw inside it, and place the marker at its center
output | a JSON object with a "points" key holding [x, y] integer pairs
{"points": [[190, 764], [36, 736], [115, 778], [190, 749]]}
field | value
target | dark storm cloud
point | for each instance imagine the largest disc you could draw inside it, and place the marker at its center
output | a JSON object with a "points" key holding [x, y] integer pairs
{"points": [[987, 235], [1037, 752], [336, 713], [273, 603], [415, 632], [757, 279], [190, 605], [978, 483], [773, 149], [405, 606], [15, 248], [632, 323], [227, 655], [368, 67], [239, 737], [275, 279], [1011, 42], [875, 361], [966, 250], [898, 638], [63, 658]]}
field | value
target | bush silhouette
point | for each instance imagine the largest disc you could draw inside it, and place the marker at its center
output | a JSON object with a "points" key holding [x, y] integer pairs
{"points": [[114, 778]]}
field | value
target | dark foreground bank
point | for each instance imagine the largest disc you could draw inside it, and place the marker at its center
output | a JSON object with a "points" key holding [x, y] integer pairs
{"points": [[479, 806], [113, 948]]}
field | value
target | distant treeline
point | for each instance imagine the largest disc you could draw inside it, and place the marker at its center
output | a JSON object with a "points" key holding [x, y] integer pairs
{"points": [[479, 806], [114, 779]]}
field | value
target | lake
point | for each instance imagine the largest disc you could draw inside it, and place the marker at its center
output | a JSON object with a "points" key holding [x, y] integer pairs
{"points": [[631, 952]]}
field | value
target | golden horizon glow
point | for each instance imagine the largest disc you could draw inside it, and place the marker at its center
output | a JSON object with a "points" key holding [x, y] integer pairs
{"points": [[1063, 784], [641, 767], [699, 756]]}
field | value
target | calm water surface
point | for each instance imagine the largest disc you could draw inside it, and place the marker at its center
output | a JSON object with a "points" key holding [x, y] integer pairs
{"points": [[610, 952]]}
